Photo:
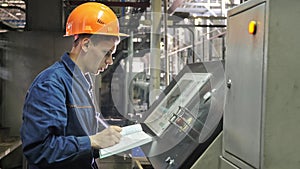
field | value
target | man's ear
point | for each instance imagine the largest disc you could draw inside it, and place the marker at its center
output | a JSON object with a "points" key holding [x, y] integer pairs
{"points": [[85, 45]]}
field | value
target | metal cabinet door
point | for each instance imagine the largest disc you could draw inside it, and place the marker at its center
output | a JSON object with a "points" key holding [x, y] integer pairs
{"points": [[244, 68]]}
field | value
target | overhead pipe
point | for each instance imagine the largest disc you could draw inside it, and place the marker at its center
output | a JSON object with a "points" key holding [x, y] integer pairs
{"points": [[175, 5]]}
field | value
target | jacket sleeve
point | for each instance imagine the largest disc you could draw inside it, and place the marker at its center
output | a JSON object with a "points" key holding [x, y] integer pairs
{"points": [[43, 131]]}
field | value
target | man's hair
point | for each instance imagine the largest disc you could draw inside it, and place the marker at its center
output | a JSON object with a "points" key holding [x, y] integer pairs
{"points": [[96, 39]]}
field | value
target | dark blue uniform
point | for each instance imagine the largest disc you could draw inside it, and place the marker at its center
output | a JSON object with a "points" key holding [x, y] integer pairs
{"points": [[58, 117]]}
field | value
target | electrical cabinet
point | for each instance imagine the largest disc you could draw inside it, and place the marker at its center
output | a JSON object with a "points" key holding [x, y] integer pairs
{"points": [[261, 111], [244, 76]]}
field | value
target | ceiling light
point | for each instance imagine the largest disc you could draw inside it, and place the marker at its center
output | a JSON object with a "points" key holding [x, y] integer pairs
{"points": [[3, 30], [4, 4]]}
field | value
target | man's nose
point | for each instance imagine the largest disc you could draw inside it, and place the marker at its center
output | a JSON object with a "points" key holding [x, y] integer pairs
{"points": [[109, 60]]}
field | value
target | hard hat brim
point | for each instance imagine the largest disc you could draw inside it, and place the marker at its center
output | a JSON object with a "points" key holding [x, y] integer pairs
{"points": [[113, 34], [100, 33]]}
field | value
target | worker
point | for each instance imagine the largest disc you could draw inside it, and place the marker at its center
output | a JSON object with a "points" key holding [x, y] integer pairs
{"points": [[60, 128]]}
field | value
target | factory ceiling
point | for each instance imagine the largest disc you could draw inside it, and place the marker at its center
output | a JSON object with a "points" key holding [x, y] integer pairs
{"points": [[13, 12], [202, 8]]}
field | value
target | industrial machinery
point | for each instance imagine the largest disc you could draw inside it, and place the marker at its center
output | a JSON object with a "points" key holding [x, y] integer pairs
{"points": [[187, 117], [261, 112], [261, 108]]}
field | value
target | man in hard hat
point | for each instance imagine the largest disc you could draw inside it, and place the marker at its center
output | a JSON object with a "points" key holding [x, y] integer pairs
{"points": [[60, 128]]}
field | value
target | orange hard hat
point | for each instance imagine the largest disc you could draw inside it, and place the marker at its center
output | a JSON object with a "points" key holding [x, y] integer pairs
{"points": [[93, 18]]}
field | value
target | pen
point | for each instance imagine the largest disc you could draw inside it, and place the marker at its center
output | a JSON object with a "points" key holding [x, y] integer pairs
{"points": [[101, 121]]}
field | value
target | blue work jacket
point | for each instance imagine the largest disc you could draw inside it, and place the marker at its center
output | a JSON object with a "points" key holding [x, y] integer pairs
{"points": [[58, 117]]}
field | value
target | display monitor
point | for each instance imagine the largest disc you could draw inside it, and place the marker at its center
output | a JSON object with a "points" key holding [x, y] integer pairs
{"points": [[177, 99]]}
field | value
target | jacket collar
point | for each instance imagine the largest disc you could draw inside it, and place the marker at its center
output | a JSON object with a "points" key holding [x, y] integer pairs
{"points": [[75, 71]]}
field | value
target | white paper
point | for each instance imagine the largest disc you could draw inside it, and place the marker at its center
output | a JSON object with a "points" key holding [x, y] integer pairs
{"points": [[132, 136]]}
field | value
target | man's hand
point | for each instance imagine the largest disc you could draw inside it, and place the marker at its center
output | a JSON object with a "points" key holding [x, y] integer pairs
{"points": [[106, 138]]}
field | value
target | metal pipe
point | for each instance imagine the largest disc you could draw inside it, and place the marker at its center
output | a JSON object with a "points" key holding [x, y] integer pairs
{"points": [[175, 5], [202, 25], [167, 59], [128, 88], [193, 44], [155, 51]]}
